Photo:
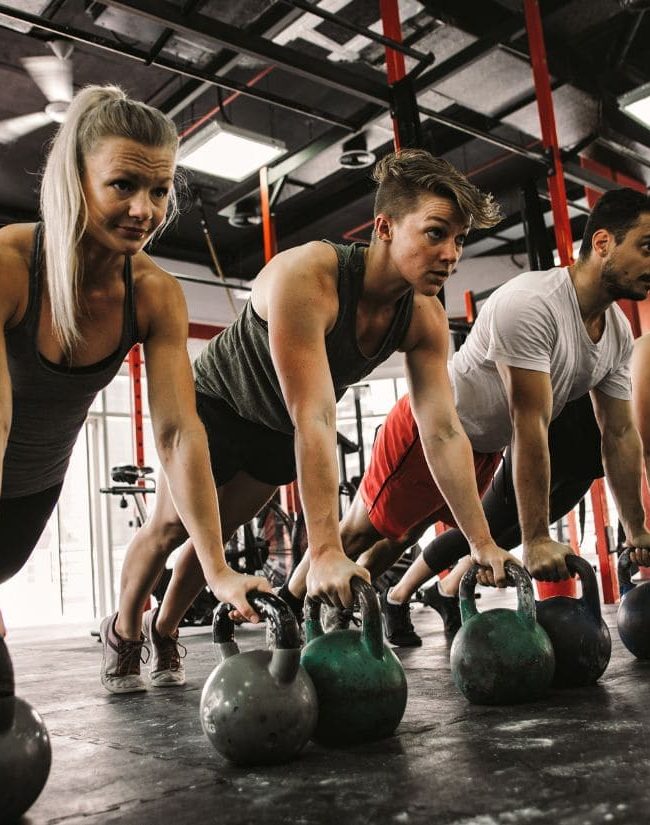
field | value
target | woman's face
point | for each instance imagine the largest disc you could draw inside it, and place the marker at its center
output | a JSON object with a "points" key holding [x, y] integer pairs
{"points": [[426, 243], [127, 187]]}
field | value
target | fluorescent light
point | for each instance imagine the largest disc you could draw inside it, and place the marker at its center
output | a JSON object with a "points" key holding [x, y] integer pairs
{"points": [[228, 152], [636, 104]]}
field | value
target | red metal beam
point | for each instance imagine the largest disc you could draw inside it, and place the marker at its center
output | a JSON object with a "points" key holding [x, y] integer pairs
{"points": [[556, 188], [395, 66], [268, 221], [135, 373]]}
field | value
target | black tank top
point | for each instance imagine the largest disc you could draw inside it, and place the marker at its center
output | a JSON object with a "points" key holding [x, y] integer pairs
{"points": [[50, 401], [236, 365]]}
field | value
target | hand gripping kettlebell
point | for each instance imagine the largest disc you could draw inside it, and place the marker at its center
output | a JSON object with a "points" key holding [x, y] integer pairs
{"points": [[25, 751], [359, 681], [633, 615], [258, 707], [580, 638], [500, 657]]}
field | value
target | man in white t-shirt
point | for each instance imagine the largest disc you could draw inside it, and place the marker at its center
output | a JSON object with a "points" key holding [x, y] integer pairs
{"points": [[540, 340]]}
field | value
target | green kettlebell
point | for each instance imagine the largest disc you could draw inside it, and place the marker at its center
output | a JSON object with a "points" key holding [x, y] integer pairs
{"points": [[359, 681], [500, 657], [258, 707]]}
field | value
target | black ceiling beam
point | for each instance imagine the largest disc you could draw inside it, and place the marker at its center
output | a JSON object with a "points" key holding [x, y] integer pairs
{"points": [[268, 23], [230, 37], [338, 20], [142, 56], [475, 51]]}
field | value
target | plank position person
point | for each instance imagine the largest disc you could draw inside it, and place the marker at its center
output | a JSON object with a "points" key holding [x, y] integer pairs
{"points": [[76, 293], [321, 317], [541, 340]]}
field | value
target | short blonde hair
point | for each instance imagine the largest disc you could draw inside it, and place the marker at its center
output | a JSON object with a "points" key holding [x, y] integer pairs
{"points": [[97, 112], [406, 175]]}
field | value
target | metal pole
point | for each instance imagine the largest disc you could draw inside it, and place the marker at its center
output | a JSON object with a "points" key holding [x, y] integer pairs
{"points": [[557, 190], [395, 65]]}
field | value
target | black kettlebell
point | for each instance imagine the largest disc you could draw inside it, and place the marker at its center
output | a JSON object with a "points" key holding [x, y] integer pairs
{"points": [[501, 656], [580, 638], [633, 615], [258, 707], [25, 751], [359, 681]]}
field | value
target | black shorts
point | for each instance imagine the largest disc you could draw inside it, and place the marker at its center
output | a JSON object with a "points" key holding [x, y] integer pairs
{"points": [[238, 444], [22, 520]]}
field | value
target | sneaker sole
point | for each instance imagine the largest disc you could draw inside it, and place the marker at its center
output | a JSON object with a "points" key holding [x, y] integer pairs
{"points": [[166, 679]]}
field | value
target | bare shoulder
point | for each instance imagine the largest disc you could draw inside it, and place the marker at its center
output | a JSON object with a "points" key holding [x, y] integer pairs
{"points": [[16, 241], [305, 275], [159, 297], [642, 346], [428, 324], [313, 264]]}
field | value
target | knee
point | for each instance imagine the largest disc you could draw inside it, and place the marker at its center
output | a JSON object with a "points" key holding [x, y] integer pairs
{"points": [[11, 563], [163, 536]]}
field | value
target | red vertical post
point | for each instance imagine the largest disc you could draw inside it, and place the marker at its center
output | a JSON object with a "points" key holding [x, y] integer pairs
{"points": [[606, 560], [395, 66], [573, 531], [135, 374], [470, 306], [268, 221], [556, 188], [289, 495]]}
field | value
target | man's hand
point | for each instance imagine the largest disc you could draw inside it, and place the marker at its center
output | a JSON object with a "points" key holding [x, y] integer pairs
{"points": [[329, 577], [545, 559], [231, 587], [640, 548], [491, 558]]}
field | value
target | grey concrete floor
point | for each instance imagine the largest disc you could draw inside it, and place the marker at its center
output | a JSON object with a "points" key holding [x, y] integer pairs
{"points": [[579, 757]]}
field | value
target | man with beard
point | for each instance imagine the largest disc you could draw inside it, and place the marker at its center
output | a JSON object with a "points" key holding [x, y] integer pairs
{"points": [[541, 340]]}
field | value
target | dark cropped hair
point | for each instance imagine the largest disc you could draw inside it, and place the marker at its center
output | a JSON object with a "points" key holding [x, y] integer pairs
{"points": [[405, 176], [617, 211]]}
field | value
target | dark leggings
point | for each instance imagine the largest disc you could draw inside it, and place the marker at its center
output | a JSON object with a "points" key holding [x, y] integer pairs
{"points": [[22, 520], [574, 448]]}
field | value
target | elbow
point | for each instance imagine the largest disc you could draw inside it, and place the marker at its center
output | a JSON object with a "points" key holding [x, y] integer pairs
{"points": [[321, 418], [445, 434]]}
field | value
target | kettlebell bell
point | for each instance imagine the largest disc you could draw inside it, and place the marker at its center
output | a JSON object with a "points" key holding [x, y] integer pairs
{"points": [[500, 657], [359, 681], [25, 751], [633, 617], [580, 638], [258, 707]]}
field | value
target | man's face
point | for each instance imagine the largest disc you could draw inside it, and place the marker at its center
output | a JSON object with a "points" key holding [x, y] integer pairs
{"points": [[626, 271]]}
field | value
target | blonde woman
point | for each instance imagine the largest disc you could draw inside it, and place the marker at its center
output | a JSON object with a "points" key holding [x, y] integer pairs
{"points": [[76, 293]]}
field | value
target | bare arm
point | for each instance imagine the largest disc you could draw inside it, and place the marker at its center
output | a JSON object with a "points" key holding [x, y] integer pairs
{"points": [[641, 395], [181, 441], [622, 459], [301, 304], [446, 447], [530, 398]]}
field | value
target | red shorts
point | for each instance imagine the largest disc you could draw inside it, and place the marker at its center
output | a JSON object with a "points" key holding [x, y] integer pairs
{"points": [[397, 488]]}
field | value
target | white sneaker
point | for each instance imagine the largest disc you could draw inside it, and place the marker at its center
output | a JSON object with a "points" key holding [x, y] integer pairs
{"points": [[166, 667], [120, 670]]}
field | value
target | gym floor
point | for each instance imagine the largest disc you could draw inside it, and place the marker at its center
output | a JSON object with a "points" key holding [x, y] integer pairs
{"points": [[580, 757]]}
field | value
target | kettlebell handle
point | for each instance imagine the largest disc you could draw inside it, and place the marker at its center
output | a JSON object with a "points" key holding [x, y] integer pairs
{"points": [[516, 576], [7, 684], [581, 567], [286, 635], [371, 633], [626, 569]]}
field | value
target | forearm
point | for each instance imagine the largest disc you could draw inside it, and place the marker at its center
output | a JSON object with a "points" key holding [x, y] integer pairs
{"points": [[531, 477], [315, 444], [185, 460], [622, 460], [451, 462]]}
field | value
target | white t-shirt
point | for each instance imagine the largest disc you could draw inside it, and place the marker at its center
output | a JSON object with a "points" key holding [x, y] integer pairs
{"points": [[534, 322]]}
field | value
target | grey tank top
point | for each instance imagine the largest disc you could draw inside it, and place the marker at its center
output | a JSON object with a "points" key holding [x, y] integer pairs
{"points": [[50, 401], [236, 365]]}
